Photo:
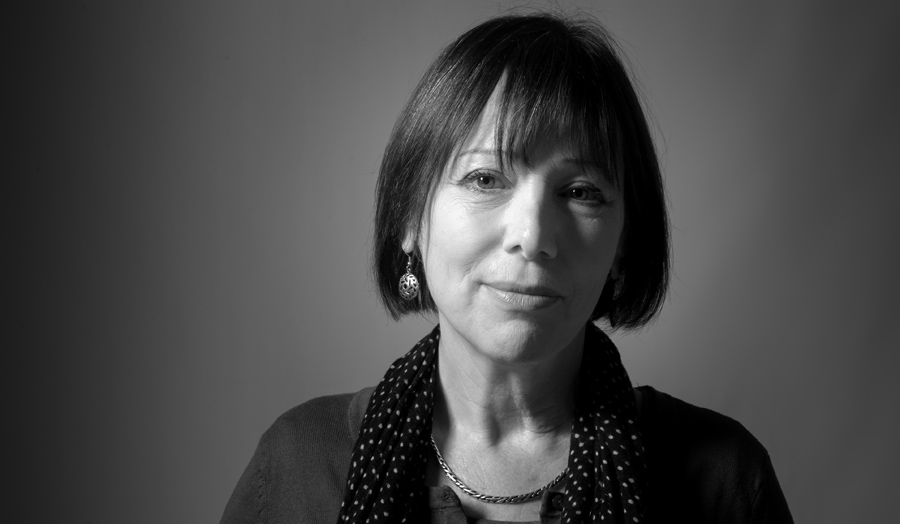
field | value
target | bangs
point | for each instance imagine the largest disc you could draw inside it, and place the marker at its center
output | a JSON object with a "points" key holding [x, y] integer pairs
{"points": [[549, 95]]}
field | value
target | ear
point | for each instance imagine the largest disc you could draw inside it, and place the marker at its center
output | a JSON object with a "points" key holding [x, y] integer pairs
{"points": [[409, 240]]}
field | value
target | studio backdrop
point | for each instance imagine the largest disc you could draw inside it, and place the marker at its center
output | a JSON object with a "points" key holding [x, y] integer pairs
{"points": [[190, 190]]}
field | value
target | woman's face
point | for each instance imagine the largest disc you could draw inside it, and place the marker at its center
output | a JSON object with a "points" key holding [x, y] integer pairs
{"points": [[516, 260]]}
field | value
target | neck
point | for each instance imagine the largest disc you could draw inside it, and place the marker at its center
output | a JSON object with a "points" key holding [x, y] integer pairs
{"points": [[493, 400]]}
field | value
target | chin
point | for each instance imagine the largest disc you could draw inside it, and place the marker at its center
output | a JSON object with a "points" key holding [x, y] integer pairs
{"points": [[520, 340]]}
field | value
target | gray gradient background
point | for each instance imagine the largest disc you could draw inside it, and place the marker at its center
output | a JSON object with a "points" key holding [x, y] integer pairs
{"points": [[190, 197]]}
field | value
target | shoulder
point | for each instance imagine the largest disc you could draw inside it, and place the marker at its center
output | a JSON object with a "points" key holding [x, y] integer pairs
{"points": [[320, 430], [301, 463], [329, 414], [707, 466], [696, 429]]}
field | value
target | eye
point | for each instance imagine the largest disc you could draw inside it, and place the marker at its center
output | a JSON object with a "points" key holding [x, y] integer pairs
{"points": [[586, 195], [486, 181], [580, 193], [483, 181]]}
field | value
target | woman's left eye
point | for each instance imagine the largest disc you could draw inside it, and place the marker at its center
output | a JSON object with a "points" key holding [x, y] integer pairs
{"points": [[586, 195]]}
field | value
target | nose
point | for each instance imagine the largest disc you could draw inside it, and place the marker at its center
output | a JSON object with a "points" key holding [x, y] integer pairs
{"points": [[531, 224]]}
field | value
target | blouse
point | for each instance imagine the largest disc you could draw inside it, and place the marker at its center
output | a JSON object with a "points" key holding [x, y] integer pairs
{"points": [[703, 467]]}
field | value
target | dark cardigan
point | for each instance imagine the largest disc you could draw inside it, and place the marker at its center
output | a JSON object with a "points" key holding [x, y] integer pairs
{"points": [[703, 466]]}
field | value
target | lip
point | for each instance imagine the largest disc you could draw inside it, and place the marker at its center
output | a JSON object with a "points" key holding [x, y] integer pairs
{"points": [[523, 296]]}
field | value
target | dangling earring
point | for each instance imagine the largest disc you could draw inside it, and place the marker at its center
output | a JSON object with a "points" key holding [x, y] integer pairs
{"points": [[409, 284]]}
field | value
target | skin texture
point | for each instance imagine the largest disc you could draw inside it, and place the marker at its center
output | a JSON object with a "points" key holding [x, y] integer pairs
{"points": [[516, 260]]}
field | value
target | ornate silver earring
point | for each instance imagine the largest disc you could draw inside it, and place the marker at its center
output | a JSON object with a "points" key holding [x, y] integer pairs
{"points": [[409, 284]]}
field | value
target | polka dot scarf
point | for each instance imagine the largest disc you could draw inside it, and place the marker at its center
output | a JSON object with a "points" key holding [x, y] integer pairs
{"points": [[606, 479]]}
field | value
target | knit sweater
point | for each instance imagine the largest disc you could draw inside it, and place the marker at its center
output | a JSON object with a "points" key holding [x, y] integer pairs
{"points": [[703, 467]]}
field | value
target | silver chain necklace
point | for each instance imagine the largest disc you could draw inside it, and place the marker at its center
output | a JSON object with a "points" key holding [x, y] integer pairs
{"points": [[493, 499]]}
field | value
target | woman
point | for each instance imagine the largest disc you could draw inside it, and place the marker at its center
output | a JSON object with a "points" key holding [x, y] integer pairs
{"points": [[520, 199]]}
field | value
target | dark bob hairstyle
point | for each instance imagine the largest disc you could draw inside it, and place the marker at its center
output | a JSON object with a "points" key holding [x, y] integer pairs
{"points": [[561, 79]]}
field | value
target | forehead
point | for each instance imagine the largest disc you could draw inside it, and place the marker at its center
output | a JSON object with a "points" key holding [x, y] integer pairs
{"points": [[488, 137], [510, 143]]}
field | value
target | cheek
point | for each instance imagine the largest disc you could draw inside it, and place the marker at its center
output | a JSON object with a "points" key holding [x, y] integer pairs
{"points": [[455, 240], [598, 246]]}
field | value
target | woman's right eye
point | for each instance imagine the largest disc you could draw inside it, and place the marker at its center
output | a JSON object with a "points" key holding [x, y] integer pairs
{"points": [[483, 181]]}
